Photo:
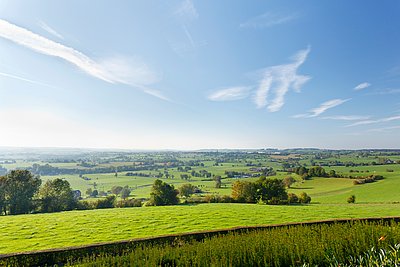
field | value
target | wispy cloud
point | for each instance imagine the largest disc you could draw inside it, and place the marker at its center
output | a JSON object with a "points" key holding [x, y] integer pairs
{"points": [[365, 122], [8, 75], [230, 94], [114, 70], [321, 108], [277, 80], [268, 19], [362, 86], [186, 10], [384, 129], [50, 30], [388, 91], [346, 118]]}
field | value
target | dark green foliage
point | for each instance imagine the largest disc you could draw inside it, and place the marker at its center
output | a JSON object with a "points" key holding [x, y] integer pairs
{"points": [[186, 190], [17, 190], [292, 198], [56, 195], [94, 193], [218, 181], [116, 190], [244, 192], [288, 181], [126, 203], [265, 190], [104, 203], [367, 179], [125, 192], [351, 199], [163, 194], [304, 198]]}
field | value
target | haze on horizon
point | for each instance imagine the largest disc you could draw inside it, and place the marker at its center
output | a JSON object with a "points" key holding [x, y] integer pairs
{"points": [[189, 74]]}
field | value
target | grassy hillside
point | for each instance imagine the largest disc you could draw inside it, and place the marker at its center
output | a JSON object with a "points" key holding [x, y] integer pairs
{"points": [[42, 231]]}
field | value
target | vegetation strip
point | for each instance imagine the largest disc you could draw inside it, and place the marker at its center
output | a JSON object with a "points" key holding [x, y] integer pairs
{"points": [[61, 256]]}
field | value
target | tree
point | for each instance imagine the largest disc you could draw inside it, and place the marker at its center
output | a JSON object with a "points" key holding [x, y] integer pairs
{"points": [[288, 181], [218, 182], [116, 190], [351, 199], [268, 189], [89, 192], [56, 195], [3, 207], [163, 194], [332, 173], [186, 190], [125, 192], [244, 191], [95, 193], [19, 188]]}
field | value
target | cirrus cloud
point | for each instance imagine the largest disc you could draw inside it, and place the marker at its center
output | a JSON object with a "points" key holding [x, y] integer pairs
{"points": [[114, 70], [362, 86], [277, 80], [230, 94], [322, 108]]}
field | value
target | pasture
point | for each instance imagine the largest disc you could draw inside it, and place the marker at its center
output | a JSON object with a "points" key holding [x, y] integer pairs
{"points": [[73, 228]]}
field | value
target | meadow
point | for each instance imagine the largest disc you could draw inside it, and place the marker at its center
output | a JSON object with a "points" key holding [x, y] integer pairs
{"points": [[73, 228]]}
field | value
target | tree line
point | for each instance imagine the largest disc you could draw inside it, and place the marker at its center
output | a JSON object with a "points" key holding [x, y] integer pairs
{"points": [[22, 192]]}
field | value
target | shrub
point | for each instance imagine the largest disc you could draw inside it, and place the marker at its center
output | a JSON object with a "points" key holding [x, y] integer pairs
{"points": [[304, 198], [104, 203], [351, 199], [293, 198], [125, 203], [212, 199], [226, 199]]}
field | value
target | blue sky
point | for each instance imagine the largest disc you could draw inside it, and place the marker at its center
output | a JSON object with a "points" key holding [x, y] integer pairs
{"points": [[200, 74]]}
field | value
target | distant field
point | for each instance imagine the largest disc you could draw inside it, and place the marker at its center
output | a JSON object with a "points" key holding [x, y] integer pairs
{"points": [[43, 231]]}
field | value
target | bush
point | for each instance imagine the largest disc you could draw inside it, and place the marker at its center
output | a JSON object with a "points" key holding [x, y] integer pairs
{"points": [[104, 203], [293, 198], [125, 203], [351, 199], [212, 199], [226, 199], [304, 198]]}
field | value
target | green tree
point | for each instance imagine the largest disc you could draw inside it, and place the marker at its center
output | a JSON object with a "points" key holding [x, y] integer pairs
{"points": [[288, 181], [56, 195], [332, 173], [218, 181], [95, 193], [125, 192], [268, 189], [3, 195], [19, 188], [89, 192], [163, 194], [116, 190], [186, 190], [244, 191]]}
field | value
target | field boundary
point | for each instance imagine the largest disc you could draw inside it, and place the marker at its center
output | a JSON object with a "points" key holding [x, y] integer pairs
{"points": [[60, 256]]}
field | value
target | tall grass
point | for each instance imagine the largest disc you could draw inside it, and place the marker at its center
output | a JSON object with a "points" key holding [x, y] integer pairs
{"points": [[311, 245]]}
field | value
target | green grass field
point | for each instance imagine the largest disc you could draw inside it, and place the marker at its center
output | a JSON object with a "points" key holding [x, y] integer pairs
{"points": [[55, 230]]}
